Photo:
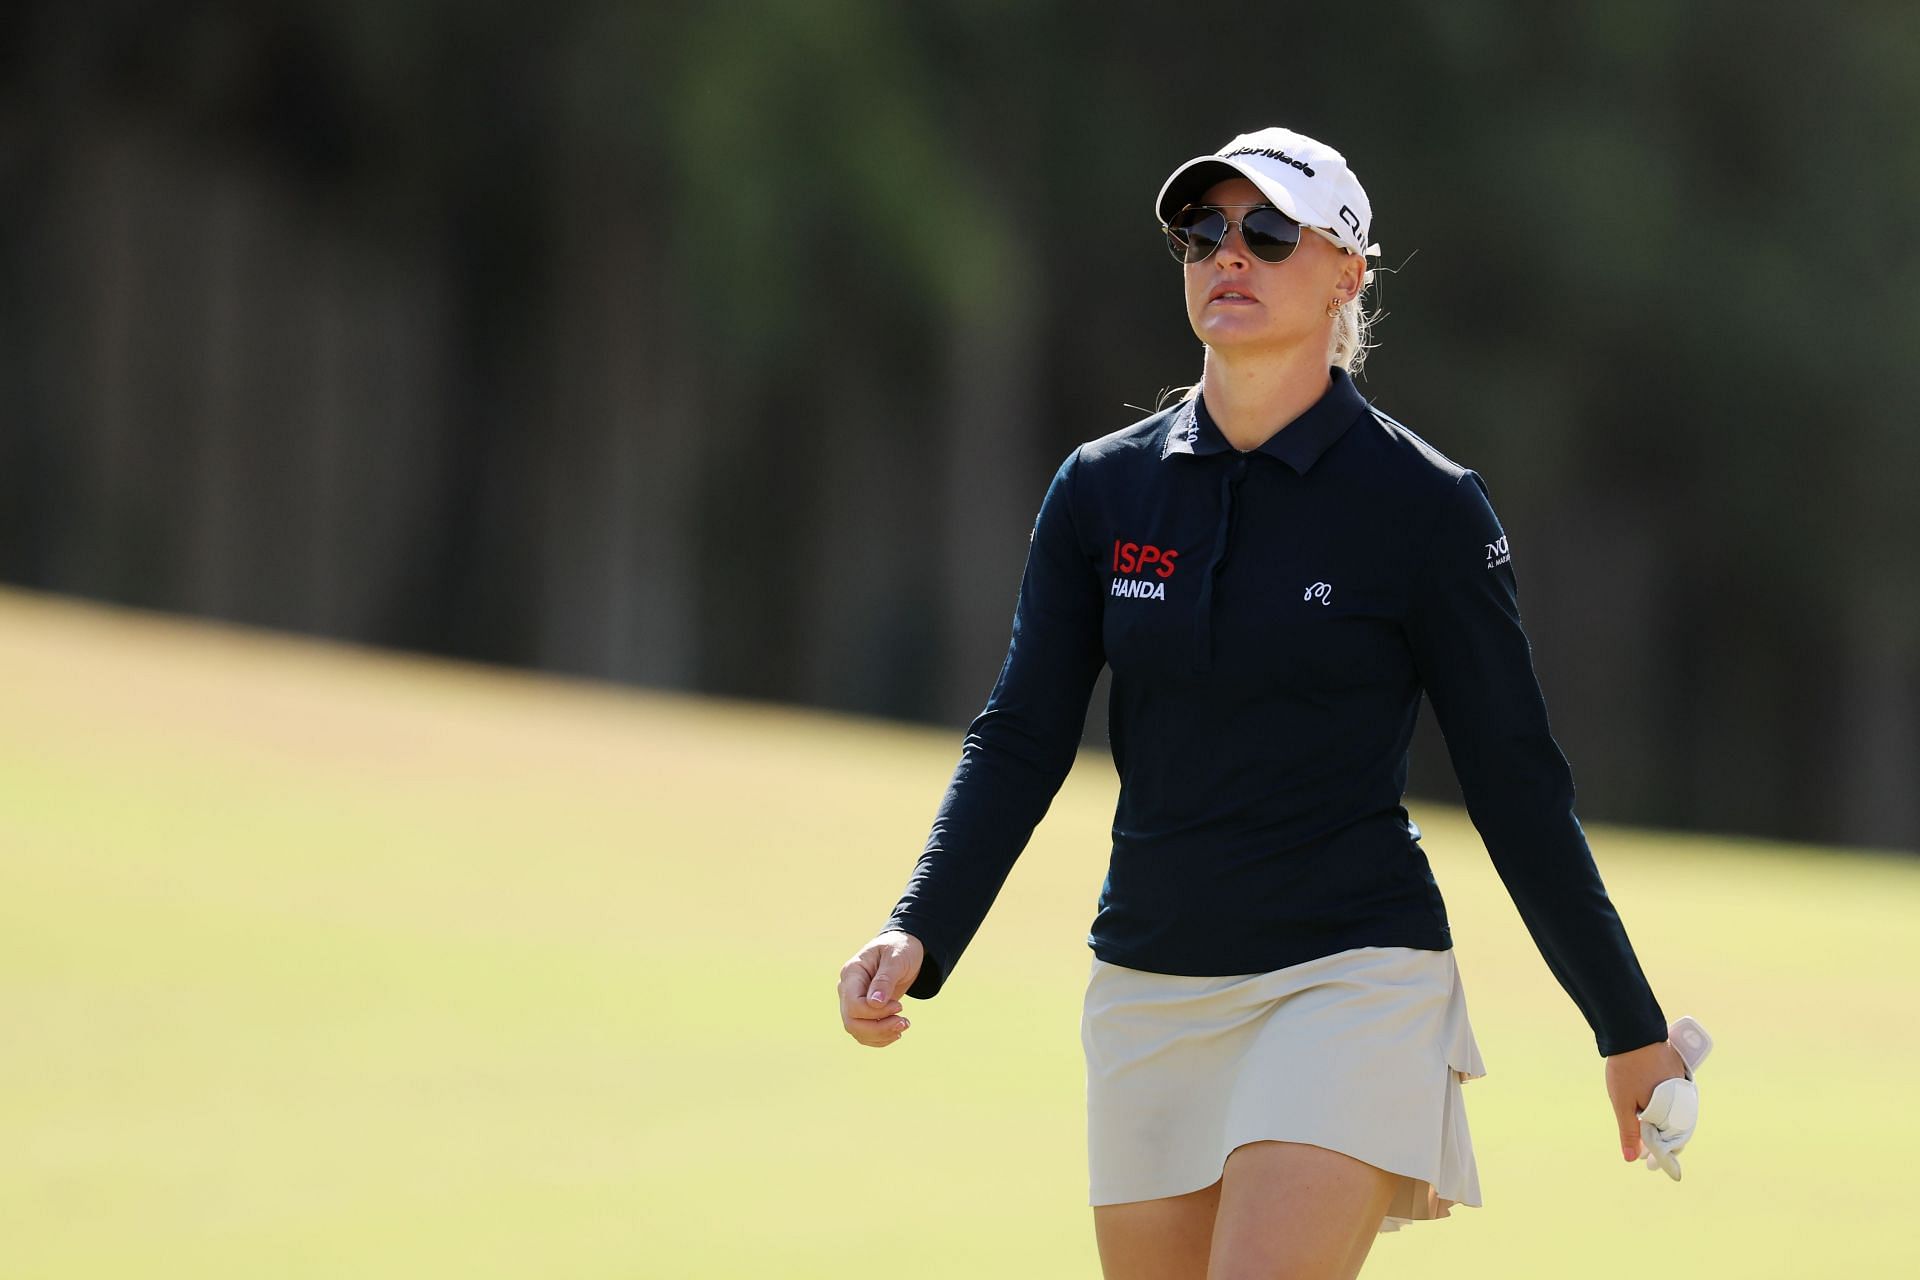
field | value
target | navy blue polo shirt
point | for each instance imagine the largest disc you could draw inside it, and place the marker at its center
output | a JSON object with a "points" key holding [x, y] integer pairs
{"points": [[1271, 617]]}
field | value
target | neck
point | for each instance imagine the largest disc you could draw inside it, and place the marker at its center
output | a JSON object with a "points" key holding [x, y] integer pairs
{"points": [[1251, 397]]}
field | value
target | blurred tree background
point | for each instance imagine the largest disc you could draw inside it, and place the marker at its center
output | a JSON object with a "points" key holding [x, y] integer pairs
{"points": [[730, 347]]}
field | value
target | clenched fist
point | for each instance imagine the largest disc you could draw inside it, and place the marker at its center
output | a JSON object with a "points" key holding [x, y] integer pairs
{"points": [[870, 984]]}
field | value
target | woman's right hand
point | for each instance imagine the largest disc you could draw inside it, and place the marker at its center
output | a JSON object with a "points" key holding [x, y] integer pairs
{"points": [[871, 983]]}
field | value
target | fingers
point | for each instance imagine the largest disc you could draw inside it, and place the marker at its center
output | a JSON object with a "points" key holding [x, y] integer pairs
{"points": [[897, 965], [1667, 1123], [868, 1012], [1630, 1092], [856, 979], [1656, 1105], [877, 1026], [862, 995], [1627, 1121], [1663, 1151], [856, 1005], [889, 1031], [1675, 1105]]}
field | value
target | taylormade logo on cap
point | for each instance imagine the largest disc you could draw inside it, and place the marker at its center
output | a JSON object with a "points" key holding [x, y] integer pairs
{"points": [[1282, 156], [1304, 178]]}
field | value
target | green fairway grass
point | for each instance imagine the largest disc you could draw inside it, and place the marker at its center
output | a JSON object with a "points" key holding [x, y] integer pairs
{"points": [[318, 961]]}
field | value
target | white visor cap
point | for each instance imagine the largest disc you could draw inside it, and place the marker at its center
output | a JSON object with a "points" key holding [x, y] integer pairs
{"points": [[1306, 180]]}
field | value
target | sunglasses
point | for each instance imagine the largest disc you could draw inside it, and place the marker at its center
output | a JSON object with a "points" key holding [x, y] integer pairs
{"points": [[1197, 230]]}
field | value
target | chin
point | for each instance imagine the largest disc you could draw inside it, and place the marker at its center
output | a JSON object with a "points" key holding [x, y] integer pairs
{"points": [[1233, 337]]}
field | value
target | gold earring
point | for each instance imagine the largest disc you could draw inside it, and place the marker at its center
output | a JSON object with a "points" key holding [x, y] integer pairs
{"points": [[1333, 308]]}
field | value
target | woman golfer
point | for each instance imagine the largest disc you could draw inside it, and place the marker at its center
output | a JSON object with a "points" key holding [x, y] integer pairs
{"points": [[1275, 1029]]}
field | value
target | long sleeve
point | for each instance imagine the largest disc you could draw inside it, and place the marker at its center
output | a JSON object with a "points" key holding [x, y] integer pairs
{"points": [[1018, 750], [1474, 659]]}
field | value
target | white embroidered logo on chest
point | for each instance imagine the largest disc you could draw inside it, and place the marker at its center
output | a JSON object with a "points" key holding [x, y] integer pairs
{"points": [[1323, 591]]}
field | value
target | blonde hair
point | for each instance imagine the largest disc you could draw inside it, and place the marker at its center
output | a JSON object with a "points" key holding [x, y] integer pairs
{"points": [[1347, 346], [1353, 331]]}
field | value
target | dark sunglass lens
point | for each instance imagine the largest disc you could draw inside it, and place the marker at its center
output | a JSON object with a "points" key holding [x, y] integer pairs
{"points": [[1196, 233], [1271, 235]]}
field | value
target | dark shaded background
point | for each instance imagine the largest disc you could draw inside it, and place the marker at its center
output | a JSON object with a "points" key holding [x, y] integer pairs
{"points": [[730, 347]]}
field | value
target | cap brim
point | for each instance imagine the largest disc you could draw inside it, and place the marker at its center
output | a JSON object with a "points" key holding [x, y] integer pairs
{"points": [[1191, 180]]}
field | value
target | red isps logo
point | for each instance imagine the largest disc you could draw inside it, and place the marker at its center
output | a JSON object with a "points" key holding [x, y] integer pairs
{"points": [[1135, 557]]}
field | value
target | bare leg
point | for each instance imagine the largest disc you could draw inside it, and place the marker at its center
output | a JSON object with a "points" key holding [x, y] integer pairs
{"points": [[1164, 1239], [1292, 1211], [1361, 1248]]}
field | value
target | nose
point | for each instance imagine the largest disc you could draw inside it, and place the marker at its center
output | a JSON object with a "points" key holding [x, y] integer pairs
{"points": [[1233, 245]]}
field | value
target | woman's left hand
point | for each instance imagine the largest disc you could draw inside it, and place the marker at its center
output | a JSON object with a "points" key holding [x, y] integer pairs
{"points": [[1631, 1080]]}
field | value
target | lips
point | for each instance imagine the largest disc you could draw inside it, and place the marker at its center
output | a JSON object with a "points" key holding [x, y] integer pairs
{"points": [[1231, 293]]}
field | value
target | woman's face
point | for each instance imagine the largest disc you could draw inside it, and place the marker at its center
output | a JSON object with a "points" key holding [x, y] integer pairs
{"points": [[1283, 304]]}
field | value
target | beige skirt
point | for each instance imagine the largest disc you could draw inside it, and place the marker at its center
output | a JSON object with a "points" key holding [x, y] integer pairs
{"points": [[1363, 1051]]}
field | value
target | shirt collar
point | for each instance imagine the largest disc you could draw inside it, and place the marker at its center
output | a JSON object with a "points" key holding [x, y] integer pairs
{"points": [[1299, 444]]}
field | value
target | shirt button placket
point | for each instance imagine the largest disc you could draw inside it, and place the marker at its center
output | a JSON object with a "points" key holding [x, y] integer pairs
{"points": [[1203, 622]]}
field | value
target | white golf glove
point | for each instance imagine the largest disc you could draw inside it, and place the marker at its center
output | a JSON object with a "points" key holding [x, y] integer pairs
{"points": [[1668, 1119]]}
